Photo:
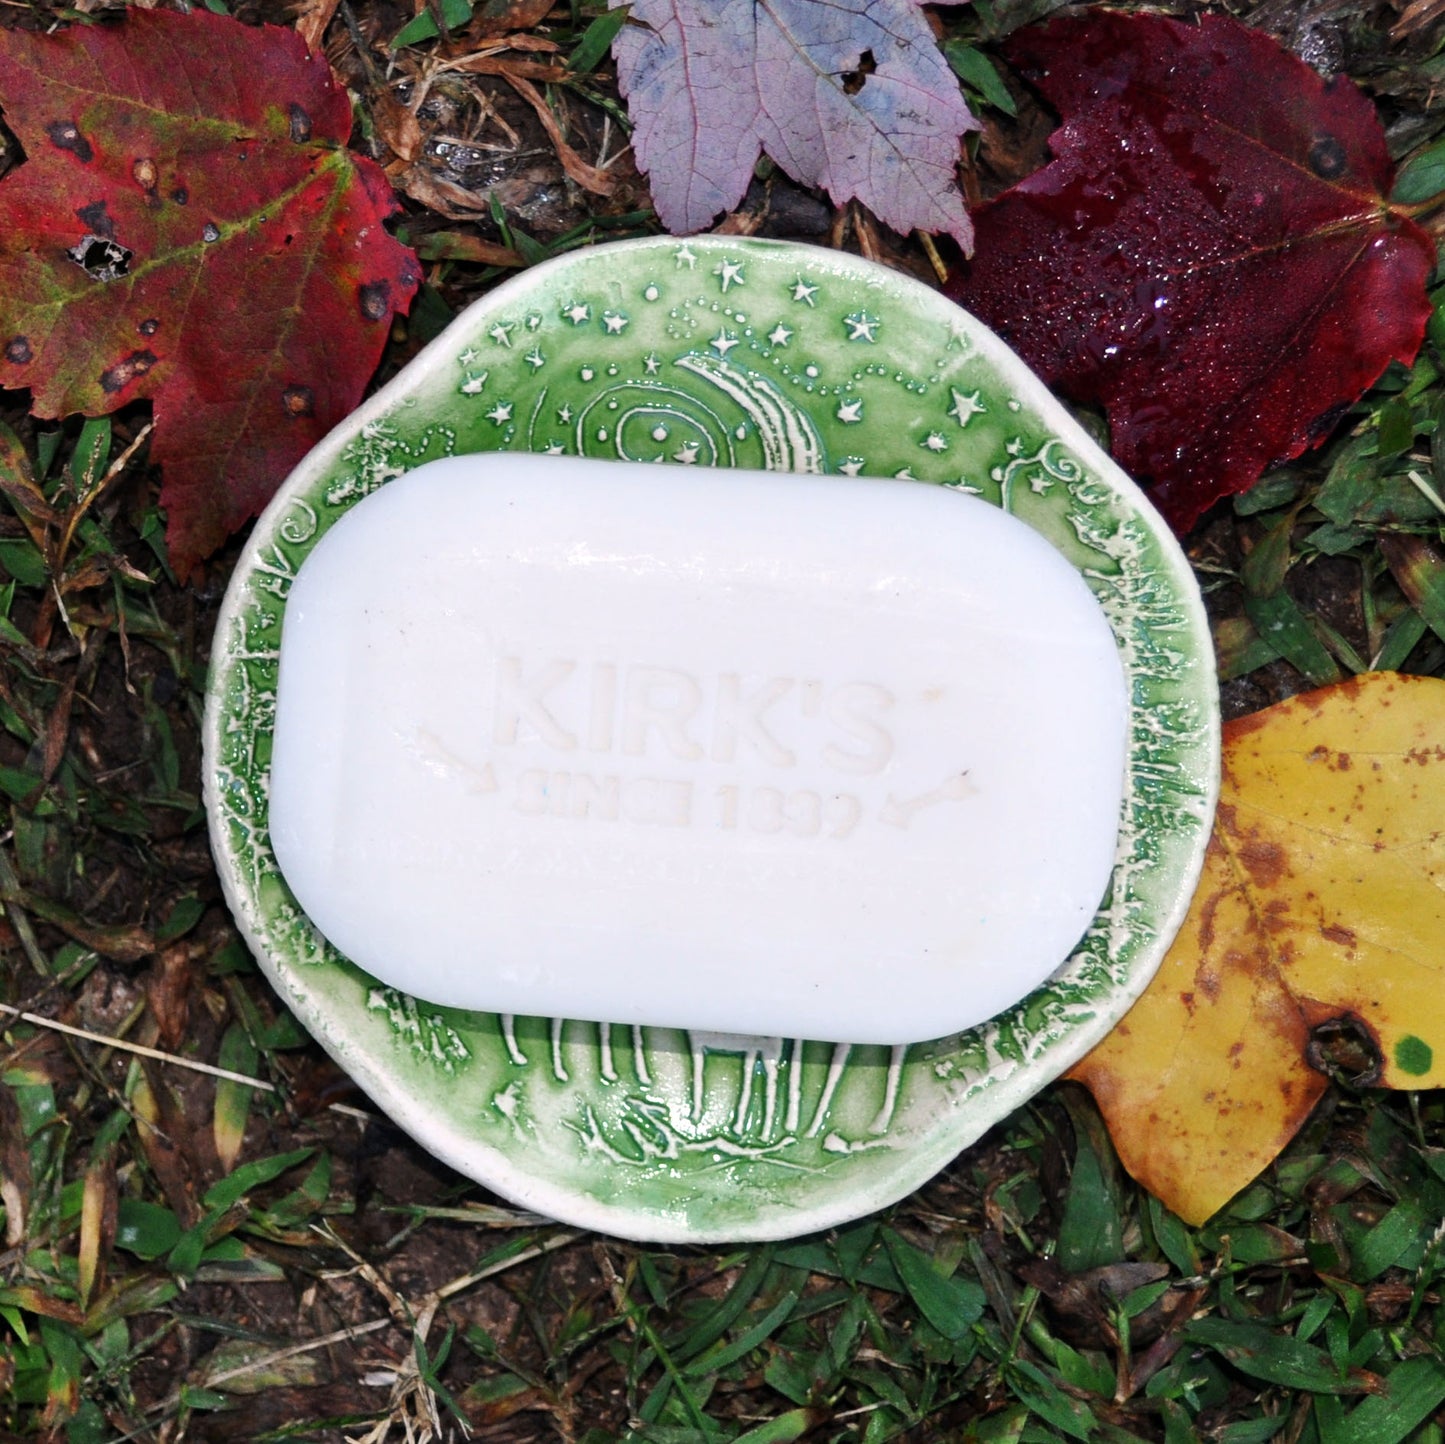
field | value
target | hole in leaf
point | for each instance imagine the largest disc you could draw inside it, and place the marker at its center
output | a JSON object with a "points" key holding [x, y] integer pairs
{"points": [[100, 258], [1345, 1051], [149, 326], [17, 350], [181, 196], [210, 232], [375, 300], [65, 135], [300, 124], [1327, 158], [853, 82]]}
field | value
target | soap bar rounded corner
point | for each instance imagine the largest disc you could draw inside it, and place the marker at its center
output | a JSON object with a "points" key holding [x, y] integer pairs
{"points": [[731, 751]]}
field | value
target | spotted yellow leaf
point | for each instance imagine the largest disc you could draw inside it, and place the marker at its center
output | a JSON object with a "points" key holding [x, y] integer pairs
{"points": [[1322, 901]]}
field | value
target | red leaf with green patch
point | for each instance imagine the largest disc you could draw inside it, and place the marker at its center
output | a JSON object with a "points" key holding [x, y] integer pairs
{"points": [[189, 228], [1210, 255]]}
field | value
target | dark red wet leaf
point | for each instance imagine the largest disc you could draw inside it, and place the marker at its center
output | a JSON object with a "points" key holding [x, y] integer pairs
{"points": [[1210, 254], [189, 228]]}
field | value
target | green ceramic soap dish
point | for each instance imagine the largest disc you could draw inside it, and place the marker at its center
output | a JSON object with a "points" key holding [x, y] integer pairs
{"points": [[738, 353]]}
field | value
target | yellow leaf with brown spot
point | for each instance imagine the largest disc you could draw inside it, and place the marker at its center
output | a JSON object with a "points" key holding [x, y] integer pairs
{"points": [[1322, 900]]}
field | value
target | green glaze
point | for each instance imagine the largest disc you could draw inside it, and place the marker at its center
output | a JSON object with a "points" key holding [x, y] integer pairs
{"points": [[750, 353]]}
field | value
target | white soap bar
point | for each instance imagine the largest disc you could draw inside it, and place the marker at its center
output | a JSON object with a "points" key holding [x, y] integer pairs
{"points": [[807, 756]]}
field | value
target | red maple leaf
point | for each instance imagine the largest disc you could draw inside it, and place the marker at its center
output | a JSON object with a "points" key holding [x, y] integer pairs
{"points": [[1210, 255], [189, 227]]}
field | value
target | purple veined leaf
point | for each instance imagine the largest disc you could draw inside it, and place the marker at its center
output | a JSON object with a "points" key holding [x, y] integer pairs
{"points": [[712, 84]]}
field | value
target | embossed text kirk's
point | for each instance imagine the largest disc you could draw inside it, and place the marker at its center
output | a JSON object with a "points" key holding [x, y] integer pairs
{"points": [[666, 712]]}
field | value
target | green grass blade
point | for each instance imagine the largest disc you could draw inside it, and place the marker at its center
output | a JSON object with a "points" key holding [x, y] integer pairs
{"points": [[252, 1175], [785, 1428], [745, 1343], [1419, 568], [233, 1100], [1279, 620], [1261, 1353], [951, 1305], [1414, 1391]]}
